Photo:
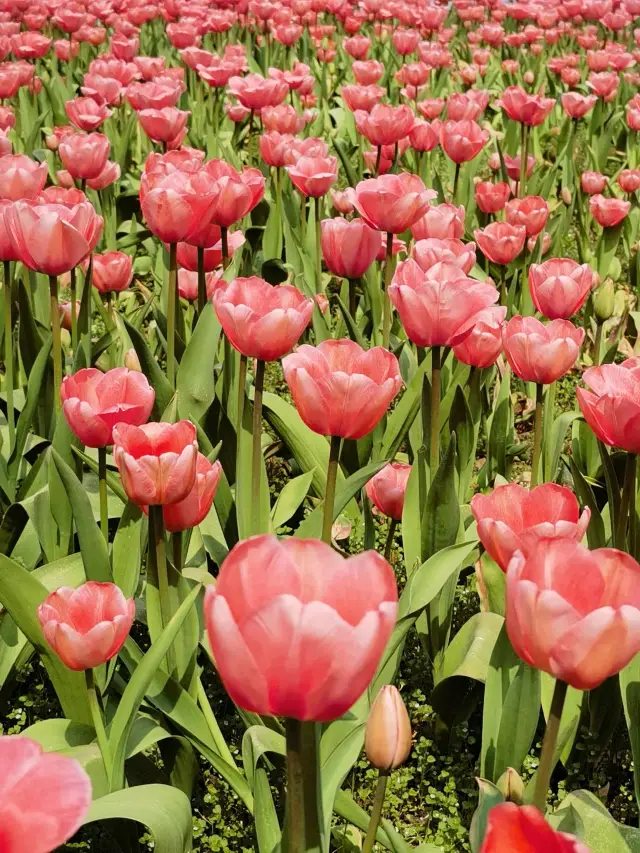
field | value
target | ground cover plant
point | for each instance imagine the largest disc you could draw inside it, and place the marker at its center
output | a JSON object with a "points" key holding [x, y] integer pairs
{"points": [[319, 422]]}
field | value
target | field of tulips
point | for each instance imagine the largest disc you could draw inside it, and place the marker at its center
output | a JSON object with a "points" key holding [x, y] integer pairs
{"points": [[319, 426]]}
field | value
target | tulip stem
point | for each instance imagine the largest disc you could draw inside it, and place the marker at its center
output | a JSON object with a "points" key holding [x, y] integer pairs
{"points": [[318, 245], [8, 354], [524, 145], [304, 804], [98, 722], [224, 239], [171, 314], [158, 546], [389, 543], [378, 158], [597, 346], [202, 282], [57, 344], [353, 296], [303, 217], [242, 379], [386, 305], [633, 533], [212, 724], [74, 319], [537, 436], [434, 444], [627, 508], [330, 492], [102, 483], [176, 545], [376, 812], [545, 768], [256, 454], [456, 178]]}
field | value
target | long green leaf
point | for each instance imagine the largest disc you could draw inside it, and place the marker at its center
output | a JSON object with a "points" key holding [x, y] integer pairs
{"points": [[195, 382]]}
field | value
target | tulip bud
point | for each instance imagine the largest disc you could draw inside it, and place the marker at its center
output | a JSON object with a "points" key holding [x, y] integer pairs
{"points": [[387, 740], [511, 786], [615, 269], [604, 300], [131, 360], [566, 195], [529, 77]]}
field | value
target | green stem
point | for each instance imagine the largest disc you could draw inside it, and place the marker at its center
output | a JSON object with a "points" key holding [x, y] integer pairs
{"points": [[318, 246], [303, 217], [98, 721], [57, 343], [224, 238], [389, 543], [627, 502], [376, 812], [242, 379], [74, 319], [102, 483], [434, 444], [330, 492], [537, 436], [176, 547], [157, 524], [202, 281], [256, 436], [597, 344], [171, 315], [386, 305], [633, 532], [304, 819], [212, 724], [378, 158], [8, 353], [524, 151], [455, 183], [545, 768]]}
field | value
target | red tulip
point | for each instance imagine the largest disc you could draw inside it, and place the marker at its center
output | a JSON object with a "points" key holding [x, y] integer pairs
{"points": [[629, 180], [87, 626], [427, 253], [365, 98], [272, 601], [541, 353], [313, 176], [21, 177], [260, 320], [593, 182], [441, 221], [255, 91], [193, 510], [112, 272], [157, 461], [531, 211], [608, 212], [387, 488], [612, 405], [84, 156], [154, 96], [438, 307], [560, 287], [188, 282], [349, 248], [492, 197], [461, 141], [522, 829], [527, 109], [385, 124], [391, 203], [45, 796], [484, 344], [339, 389], [501, 242], [164, 125], [109, 175], [367, 73], [512, 518], [86, 114], [576, 105], [581, 633], [94, 402]]}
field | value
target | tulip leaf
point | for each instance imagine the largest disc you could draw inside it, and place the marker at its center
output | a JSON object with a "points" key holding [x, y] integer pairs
{"points": [[127, 549], [152, 371], [34, 392], [340, 745], [347, 808], [555, 443], [93, 548], [290, 499], [195, 382], [257, 742], [58, 735], [581, 813], [488, 797], [164, 810], [630, 691]]}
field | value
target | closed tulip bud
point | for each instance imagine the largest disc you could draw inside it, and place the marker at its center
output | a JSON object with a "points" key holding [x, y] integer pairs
{"points": [[511, 786], [529, 77], [131, 360], [604, 300], [387, 739], [566, 195]]}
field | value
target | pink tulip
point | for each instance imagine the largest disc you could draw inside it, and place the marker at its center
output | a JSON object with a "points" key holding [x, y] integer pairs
{"points": [[527, 109], [492, 197], [431, 108], [94, 402], [531, 211], [21, 177], [188, 283], [86, 114], [362, 97], [593, 182], [581, 633], [237, 193], [423, 136], [84, 155], [438, 307], [339, 389], [629, 180], [385, 125], [87, 626], [461, 141], [391, 203], [512, 518], [314, 176], [193, 510], [45, 796], [441, 221], [340, 201], [255, 92], [560, 287], [349, 248], [272, 601], [427, 253], [165, 124], [367, 73], [484, 344], [612, 405], [109, 175], [154, 96], [157, 461], [608, 212], [284, 118], [187, 255], [577, 106], [112, 272], [541, 353], [386, 490]]}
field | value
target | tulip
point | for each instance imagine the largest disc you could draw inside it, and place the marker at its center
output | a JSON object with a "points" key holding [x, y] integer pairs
{"points": [[387, 738], [462, 140], [512, 519], [357, 46], [522, 829], [339, 389], [157, 461], [483, 345], [255, 91], [541, 353], [560, 287], [463, 106], [629, 180], [86, 114], [109, 175], [530, 110], [513, 165], [440, 221], [406, 41], [155, 96], [492, 197], [314, 176], [367, 73], [593, 182], [427, 253], [423, 136], [608, 212], [103, 89], [340, 201], [270, 600], [431, 108], [187, 254], [531, 211], [84, 156], [188, 283], [262, 321], [21, 177], [237, 193], [193, 510], [604, 85], [284, 119], [45, 796], [577, 106], [361, 97], [386, 490], [391, 203], [112, 272], [385, 125], [349, 248], [164, 125], [501, 242], [94, 402], [88, 626], [612, 404]]}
